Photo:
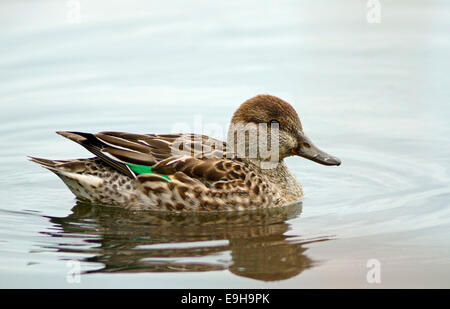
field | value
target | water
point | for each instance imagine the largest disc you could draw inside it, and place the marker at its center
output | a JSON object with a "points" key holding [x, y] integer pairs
{"points": [[375, 95]]}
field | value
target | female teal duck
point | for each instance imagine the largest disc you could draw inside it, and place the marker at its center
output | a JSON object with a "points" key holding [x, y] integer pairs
{"points": [[188, 172]]}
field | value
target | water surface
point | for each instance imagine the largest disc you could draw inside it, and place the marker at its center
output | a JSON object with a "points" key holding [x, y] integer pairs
{"points": [[375, 95]]}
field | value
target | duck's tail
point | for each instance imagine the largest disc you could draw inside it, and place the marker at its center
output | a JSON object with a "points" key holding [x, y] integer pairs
{"points": [[49, 164], [76, 174], [90, 179]]}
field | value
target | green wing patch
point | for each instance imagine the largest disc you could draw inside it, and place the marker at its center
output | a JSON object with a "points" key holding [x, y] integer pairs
{"points": [[142, 169]]}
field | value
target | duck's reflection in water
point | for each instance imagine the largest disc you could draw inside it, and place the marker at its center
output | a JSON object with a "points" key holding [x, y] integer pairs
{"points": [[125, 241]]}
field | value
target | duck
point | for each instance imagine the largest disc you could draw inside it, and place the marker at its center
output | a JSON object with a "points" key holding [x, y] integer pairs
{"points": [[194, 172]]}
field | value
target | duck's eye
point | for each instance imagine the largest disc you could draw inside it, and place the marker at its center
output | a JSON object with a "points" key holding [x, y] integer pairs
{"points": [[274, 121]]}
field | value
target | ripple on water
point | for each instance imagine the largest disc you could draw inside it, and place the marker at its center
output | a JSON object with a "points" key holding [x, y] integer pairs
{"points": [[374, 192]]}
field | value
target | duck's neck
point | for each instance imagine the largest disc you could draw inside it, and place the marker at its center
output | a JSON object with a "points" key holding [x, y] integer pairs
{"points": [[254, 142], [279, 175]]}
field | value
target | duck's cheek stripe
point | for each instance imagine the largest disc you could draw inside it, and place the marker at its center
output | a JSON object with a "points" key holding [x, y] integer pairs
{"points": [[142, 169]]}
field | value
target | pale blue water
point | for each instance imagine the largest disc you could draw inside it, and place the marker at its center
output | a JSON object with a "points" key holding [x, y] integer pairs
{"points": [[375, 95]]}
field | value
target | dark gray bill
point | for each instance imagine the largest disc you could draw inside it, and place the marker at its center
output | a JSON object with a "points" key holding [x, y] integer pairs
{"points": [[308, 150]]}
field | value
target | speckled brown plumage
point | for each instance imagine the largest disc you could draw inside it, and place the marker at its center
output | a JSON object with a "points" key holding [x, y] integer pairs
{"points": [[188, 172]]}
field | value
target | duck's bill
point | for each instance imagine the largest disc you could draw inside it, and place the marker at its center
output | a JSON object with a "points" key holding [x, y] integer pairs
{"points": [[309, 151]]}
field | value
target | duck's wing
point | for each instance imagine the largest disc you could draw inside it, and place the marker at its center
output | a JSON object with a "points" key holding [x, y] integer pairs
{"points": [[204, 184], [131, 153]]}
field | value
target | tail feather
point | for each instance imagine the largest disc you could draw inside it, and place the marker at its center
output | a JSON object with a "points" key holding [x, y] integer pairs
{"points": [[78, 137], [95, 146], [88, 179], [50, 164], [76, 174]]}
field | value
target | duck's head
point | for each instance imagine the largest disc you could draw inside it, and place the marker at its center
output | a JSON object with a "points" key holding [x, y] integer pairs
{"points": [[278, 114]]}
